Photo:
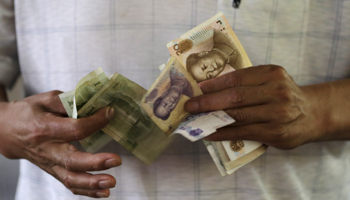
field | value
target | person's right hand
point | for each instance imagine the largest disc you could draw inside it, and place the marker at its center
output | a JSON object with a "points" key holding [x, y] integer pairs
{"points": [[37, 129]]}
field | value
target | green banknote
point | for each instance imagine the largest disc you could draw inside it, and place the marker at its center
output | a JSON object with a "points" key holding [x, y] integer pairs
{"points": [[67, 100], [73, 100], [87, 87], [131, 126]]}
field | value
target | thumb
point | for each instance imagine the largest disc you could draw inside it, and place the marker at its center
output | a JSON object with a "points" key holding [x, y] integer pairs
{"points": [[110, 112], [100, 119], [83, 127]]}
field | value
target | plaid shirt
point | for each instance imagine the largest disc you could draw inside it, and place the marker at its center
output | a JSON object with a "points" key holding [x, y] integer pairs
{"points": [[59, 41]]}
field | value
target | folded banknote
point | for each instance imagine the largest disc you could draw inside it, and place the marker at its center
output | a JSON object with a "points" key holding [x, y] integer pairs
{"points": [[209, 50], [73, 100]]}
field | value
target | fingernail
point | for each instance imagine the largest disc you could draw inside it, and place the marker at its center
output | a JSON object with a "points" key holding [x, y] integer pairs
{"points": [[106, 184], [113, 162], [200, 85], [110, 113], [191, 106], [101, 194]]}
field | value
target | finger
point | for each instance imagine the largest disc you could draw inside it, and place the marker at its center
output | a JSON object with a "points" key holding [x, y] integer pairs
{"points": [[242, 77], [69, 129], [68, 157], [250, 115], [254, 132], [51, 102], [228, 99], [84, 181]]}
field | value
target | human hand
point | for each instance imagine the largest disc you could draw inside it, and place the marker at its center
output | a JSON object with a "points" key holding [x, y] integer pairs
{"points": [[37, 129], [267, 105]]}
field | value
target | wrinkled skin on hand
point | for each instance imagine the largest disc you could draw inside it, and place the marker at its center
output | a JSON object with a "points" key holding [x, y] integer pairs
{"points": [[37, 129], [267, 105]]}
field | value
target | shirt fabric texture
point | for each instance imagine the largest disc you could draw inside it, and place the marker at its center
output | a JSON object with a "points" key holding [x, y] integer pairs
{"points": [[60, 41]]}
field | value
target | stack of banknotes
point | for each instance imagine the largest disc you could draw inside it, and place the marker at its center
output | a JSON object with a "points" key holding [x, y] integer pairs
{"points": [[146, 120]]}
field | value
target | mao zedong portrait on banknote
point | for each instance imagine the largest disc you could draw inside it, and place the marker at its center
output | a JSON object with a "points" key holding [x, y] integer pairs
{"points": [[166, 103], [208, 64]]}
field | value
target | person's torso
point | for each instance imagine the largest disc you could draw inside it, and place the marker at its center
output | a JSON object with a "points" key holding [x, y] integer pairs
{"points": [[60, 41]]}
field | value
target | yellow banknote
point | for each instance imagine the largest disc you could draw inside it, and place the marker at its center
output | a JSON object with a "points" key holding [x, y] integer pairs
{"points": [[210, 49], [207, 51]]}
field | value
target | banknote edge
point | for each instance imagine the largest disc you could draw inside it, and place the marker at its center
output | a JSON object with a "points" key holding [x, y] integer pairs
{"points": [[246, 158], [201, 25]]}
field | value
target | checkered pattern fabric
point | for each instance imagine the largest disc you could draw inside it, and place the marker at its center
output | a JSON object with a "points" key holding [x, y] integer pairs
{"points": [[59, 41]]}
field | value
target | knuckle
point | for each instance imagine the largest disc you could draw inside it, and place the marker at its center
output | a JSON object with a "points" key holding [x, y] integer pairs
{"points": [[50, 96], [66, 163], [235, 96], [91, 194], [42, 156], [78, 129], [53, 94], [34, 139], [284, 94], [241, 132], [93, 184], [278, 71], [280, 131], [239, 115], [234, 80], [205, 103], [284, 114], [67, 181], [95, 166], [83, 192]]}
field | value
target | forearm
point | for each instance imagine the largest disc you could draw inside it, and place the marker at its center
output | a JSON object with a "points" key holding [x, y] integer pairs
{"points": [[3, 96], [331, 104]]}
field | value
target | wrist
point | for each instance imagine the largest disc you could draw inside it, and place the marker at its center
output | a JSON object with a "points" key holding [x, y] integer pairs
{"points": [[339, 107], [321, 123], [5, 136], [330, 107]]}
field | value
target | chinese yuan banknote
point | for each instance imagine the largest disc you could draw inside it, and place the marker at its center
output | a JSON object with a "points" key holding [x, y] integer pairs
{"points": [[209, 50], [195, 127], [165, 100], [73, 100], [131, 126]]}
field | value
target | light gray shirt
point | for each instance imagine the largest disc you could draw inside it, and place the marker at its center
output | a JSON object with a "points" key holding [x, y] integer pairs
{"points": [[59, 41]]}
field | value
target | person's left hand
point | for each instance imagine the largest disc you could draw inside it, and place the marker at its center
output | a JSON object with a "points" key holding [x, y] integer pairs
{"points": [[267, 105]]}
